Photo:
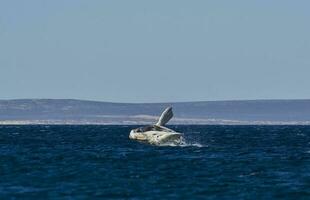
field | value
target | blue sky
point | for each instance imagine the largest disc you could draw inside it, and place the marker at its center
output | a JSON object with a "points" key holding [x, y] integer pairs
{"points": [[155, 51]]}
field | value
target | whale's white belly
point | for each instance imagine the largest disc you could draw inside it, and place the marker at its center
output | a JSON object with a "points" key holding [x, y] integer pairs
{"points": [[156, 137]]}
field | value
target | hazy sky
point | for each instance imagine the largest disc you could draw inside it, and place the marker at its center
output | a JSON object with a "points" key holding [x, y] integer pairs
{"points": [[155, 51]]}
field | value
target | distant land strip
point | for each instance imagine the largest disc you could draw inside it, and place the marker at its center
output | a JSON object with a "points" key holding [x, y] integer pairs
{"points": [[71, 111]]}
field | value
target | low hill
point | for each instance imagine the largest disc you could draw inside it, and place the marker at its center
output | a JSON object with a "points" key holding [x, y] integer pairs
{"points": [[68, 111]]}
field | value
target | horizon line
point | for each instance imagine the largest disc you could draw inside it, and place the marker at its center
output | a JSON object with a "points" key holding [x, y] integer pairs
{"points": [[168, 102]]}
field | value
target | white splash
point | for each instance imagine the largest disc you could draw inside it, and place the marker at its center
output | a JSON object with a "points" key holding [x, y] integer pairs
{"points": [[183, 143]]}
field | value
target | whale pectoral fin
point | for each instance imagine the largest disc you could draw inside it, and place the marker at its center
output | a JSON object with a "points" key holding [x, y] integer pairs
{"points": [[165, 117]]}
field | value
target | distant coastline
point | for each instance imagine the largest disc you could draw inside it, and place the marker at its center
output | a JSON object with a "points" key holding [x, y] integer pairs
{"points": [[236, 112]]}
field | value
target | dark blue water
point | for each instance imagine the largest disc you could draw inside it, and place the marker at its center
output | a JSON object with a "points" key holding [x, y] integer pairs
{"points": [[218, 162]]}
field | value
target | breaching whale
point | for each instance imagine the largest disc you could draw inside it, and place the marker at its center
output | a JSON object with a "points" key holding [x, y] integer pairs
{"points": [[157, 134]]}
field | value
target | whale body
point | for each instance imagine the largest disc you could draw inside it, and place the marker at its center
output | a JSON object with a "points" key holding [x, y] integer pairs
{"points": [[157, 134]]}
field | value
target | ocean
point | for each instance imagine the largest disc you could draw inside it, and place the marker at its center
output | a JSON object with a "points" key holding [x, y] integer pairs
{"points": [[215, 162]]}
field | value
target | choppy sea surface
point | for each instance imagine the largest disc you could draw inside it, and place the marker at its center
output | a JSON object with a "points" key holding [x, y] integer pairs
{"points": [[215, 162]]}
